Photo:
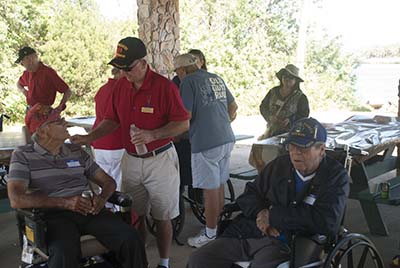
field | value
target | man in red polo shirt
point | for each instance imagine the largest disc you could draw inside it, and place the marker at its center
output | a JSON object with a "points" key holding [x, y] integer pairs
{"points": [[40, 83], [152, 104], [108, 150]]}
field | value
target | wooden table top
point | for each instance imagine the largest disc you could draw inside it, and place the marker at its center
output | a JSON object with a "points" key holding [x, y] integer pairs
{"points": [[8, 142]]}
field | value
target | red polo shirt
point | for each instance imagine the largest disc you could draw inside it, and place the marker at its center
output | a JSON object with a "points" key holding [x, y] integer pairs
{"points": [[156, 103], [42, 85], [112, 141]]}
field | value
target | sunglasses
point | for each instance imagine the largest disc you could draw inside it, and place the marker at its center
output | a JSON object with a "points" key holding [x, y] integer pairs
{"points": [[130, 67]]}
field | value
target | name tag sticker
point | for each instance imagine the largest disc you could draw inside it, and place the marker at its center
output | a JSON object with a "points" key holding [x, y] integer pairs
{"points": [[147, 110], [280, 103], [73, 163], [310, 199]]}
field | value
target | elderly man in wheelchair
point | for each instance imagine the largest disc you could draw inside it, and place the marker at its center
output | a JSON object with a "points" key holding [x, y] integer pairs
{"points": [[303, 192], [52, 175]]}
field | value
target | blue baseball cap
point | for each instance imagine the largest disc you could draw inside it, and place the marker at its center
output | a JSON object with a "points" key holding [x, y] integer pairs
{"points": [[306, 132]]}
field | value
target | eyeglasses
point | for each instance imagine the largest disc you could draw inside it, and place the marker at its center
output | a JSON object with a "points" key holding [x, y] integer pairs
{"points": [[130, 67]]}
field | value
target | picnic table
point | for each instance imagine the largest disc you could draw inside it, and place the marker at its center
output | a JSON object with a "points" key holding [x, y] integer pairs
{"points": [[377, 135], [87, 122], [8, 142]]}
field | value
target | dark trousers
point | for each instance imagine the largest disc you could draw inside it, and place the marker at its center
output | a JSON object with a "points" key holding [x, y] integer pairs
{"points": [[183, 149], [64, 229], [223, 252]]}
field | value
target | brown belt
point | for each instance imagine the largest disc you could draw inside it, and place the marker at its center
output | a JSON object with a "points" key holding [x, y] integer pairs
{"points": [[153, 153]]}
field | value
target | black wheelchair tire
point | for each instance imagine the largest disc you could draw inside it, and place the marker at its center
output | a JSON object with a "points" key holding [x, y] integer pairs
{"points": [[343, 252], [197, 204]]}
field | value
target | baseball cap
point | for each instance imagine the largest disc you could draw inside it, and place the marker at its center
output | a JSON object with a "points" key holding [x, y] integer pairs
{"points": [[129, 49], [25, 51], [306, 132], [184, 60], [40, 114]]}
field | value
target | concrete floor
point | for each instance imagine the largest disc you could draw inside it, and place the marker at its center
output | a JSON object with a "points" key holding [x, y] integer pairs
{"points": [[388, 246]]}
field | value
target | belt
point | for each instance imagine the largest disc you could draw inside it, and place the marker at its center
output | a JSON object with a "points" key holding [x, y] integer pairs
{"points": [[153, 153]]}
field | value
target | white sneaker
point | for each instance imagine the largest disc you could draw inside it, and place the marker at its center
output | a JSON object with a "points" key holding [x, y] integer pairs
{"points": [[199, 240]]}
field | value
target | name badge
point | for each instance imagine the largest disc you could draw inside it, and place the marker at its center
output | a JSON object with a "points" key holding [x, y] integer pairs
{"points": [[310, 199], [73, 163], [147, 110], [279, 103]]}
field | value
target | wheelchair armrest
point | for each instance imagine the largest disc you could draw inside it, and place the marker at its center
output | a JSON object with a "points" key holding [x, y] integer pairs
{"points": [[31, 213], [120, 199], [230, 207]]}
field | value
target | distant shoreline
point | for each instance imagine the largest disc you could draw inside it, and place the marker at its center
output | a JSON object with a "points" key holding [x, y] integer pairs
{"points": [[391, 60]]}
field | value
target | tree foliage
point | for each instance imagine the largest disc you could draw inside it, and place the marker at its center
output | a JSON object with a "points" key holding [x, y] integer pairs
{"points": [[245, 41], [71, 37]]}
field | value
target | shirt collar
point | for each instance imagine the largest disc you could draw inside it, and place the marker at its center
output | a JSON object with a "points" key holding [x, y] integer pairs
{"points": [[147, 79], [305, 178], [39, 149]]}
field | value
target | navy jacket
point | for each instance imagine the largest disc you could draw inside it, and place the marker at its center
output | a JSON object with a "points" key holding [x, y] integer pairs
{"points": [[274, 188]]}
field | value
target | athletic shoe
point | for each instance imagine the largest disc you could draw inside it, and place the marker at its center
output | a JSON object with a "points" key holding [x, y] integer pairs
{"points": [[199, 240]]}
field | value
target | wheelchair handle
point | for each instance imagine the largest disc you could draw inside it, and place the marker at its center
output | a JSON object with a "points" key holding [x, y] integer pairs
{"points": [[120, 199]]}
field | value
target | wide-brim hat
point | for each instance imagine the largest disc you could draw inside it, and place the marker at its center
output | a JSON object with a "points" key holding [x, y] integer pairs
{"points": [[292, 70], [129, 49]]}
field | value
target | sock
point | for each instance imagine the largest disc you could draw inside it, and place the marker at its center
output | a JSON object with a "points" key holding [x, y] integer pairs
{"points": [[211, 232], [164, 262]]}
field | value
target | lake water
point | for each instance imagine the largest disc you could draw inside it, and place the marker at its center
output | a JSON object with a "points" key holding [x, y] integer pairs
{"points": [[378, 83]]}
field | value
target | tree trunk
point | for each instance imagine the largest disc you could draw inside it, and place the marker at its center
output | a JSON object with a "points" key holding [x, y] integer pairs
{"points": [[159, 30]]}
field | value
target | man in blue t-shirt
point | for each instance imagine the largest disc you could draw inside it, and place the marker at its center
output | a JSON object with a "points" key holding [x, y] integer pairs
{"points": [[212, 109]]}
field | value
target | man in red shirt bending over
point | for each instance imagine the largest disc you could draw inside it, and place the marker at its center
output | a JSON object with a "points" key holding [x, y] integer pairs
{"points": [[40, 83], [150, 105], [108, 150]]}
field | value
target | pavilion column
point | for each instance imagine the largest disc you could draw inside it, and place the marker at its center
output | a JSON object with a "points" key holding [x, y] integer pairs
{"points": [[159, 30]]}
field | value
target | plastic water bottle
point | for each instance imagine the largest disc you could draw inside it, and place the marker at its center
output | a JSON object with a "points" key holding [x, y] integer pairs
{"points": [[141, 149]]}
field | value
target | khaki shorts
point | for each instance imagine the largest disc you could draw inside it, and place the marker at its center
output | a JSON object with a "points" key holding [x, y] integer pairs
{"points": [[153, 184]]}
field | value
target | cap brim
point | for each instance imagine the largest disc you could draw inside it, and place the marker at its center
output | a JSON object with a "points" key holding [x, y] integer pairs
{"points": [[299, 141], [54, 116], [119, 64]]}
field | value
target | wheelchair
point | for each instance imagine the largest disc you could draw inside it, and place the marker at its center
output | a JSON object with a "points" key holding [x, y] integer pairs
{"points": [[343, 250], [32, 235]]}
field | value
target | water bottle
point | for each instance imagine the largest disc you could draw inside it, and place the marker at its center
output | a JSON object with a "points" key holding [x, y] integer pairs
{"points": [[141, 149]]}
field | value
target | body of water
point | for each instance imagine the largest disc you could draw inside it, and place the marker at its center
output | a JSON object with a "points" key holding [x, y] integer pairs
{"points": [[378, 83]]}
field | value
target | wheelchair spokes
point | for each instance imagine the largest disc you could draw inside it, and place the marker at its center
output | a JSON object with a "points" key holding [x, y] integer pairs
{"points": [[354, 250], [195, 199]]}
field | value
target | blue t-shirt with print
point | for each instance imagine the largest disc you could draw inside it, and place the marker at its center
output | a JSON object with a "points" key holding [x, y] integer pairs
{"points": [[207, 97]]}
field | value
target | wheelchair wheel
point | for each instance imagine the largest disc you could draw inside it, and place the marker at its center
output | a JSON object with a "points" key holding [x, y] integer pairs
{"points": [[177, 223], [197, 202], [354, 250]]}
